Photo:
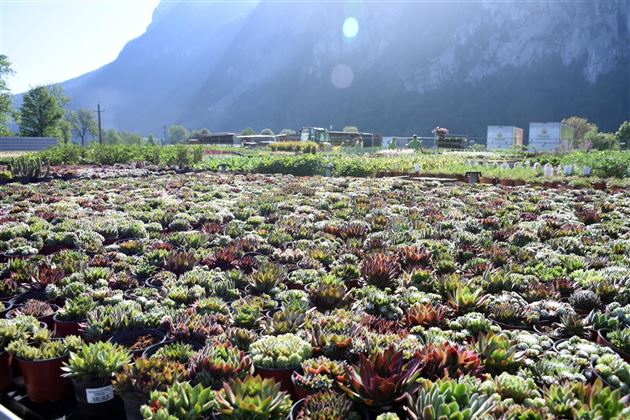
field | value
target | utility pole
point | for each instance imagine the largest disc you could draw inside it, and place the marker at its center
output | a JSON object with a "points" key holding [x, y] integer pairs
{"points": [[164, 136], [100, 132]]}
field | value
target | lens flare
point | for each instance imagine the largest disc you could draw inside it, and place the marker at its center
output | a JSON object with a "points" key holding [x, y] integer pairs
{"points": [[350, 27], [342, 76]]}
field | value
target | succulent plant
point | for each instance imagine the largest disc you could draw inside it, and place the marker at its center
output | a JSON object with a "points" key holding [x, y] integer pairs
{"points": [[76, 309], [320, 374], [283, 322], [327, 405], [449, 400], [285, 351], [181, 262], [242, 338], [327, 293], [253, 397], [96, 360], [225, 258], [380, 270], [146, 375], [36, 308], [217, 363], [267, 277], [191, 326], [425, 315], [175, 352], [44, 350], [180, 401], [464, 300], [448, 361], [498, 353], [46, 275], [382, 381], [585, 300], [516, 387], [413, 257], [620, 339]]}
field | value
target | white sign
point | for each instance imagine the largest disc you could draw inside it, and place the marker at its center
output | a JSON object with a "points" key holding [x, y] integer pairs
{"points": [[99, 395]]}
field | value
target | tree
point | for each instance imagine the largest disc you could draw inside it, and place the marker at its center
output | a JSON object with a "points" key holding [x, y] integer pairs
{"points": [[266, 132], [200, 133], [288, 131], [581, 127], [350, 129], [151, 140], [623, 134], [177, 134], [6, 110], [112, 137], [248, 131], [41, 114], [600, 141], [83, 124], [130, 138]]}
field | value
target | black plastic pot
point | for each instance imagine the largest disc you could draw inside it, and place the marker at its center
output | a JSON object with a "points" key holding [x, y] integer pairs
{"points": [[8, 305], [133, 402], [128, 337], [96, 399], [32, 294], [6, 371]]}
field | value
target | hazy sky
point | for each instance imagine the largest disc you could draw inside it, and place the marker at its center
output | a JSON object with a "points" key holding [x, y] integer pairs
{"points": [[55, 40]]}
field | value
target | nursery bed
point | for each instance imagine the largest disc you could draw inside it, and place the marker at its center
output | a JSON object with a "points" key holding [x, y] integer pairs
{"points": [[190, 283]]}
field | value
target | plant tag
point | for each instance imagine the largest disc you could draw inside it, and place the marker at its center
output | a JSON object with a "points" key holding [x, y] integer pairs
{"points": [[99, 395]]}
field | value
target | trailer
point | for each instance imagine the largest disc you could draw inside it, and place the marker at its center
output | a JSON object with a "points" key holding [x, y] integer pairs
{"points": [[550, 137], [26, 144], [502, 137], [224, 139]]}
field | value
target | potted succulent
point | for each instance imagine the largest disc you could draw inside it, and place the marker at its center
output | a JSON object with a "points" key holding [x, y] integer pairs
{"points": [[267, 278], [448, 399], [41, 310], [253, 397], [69, 318], [570, 325], [181, 401], [326, 405], [381, 382], [136, 381], [217, 363], [20, 328], [328, 293], [174, 351], [91, 369], [40, 363], [278, 356], [613, 371], [618, 340], [319, 374], [138, 340]]}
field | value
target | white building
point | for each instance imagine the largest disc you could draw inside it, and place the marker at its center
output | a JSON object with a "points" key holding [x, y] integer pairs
{"points": [[503, 137], [550, 137]]}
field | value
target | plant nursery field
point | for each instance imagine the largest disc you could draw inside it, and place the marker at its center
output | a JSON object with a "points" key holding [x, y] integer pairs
{"points": [[198, 296]]}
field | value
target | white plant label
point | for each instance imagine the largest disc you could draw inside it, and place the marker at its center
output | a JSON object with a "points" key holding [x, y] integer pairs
{"points": [[99, 395]]}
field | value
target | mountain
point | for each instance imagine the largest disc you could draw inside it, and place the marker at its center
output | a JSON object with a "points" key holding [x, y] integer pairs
{"points": [[411, 67]]}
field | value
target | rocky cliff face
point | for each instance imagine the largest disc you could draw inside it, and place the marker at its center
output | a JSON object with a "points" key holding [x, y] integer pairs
{"points": [[412, 66]]}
